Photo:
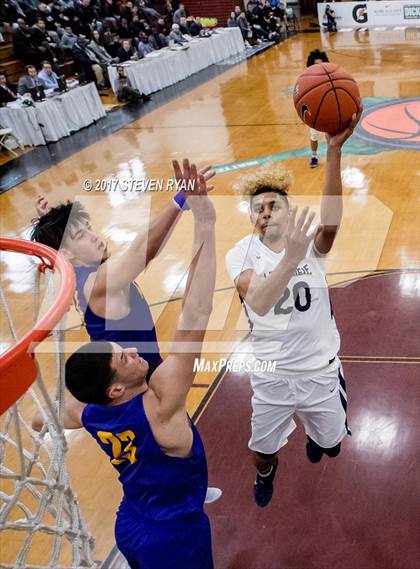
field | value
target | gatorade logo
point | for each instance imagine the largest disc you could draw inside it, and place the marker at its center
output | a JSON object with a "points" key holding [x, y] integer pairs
{"points": [[360, 14], [393, 124], [412, 12]]}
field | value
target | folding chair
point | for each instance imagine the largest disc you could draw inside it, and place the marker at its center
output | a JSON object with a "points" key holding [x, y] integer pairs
{"points": [[4, 133]]}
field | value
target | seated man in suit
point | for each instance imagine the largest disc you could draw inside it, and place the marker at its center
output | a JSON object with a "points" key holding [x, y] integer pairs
{"points": [[6, 93], [48, 76], [47, 48], [126, 52], [183, 26], [87, 62], [23, 46], [194, 26], [29, 81]]}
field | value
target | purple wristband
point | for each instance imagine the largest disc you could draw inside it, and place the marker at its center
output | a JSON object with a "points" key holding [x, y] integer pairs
{"points": [[181, 201]]}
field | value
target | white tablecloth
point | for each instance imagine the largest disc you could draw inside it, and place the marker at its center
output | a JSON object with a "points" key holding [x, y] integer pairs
{"points": [[162, 68], [54, 118]]}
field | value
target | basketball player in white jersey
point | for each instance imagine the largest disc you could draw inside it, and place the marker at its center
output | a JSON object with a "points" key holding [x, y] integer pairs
{"points": [[314, 57], [280, 276]]}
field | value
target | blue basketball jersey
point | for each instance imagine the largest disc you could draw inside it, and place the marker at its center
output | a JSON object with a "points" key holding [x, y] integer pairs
{"points": [[134, 330], [156, 487]]}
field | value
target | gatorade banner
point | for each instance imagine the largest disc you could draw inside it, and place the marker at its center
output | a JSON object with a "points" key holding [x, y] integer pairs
{"points": [[371, 14]]}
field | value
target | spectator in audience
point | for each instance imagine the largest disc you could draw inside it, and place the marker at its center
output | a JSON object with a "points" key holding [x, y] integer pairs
{"points": [[126, 11], [162, 27], [231, 21], [59, 16], [194, 26], [123, 30], [97, 47], [7, 95], [23, 46], [148, 13], [11, 11], [330, 15], [86, 62], [237, 11], [29, 81], [126, 52], [124, 89], [157, 40], [110, 41], [176, 35], [136, 26], [280, 13], [244, 26], [48, 76], [44, 13], [43, 41], [183, 26], [169, 10], [86, 14], [178, 14], [107, 12], [68, 39], [144, 46]]}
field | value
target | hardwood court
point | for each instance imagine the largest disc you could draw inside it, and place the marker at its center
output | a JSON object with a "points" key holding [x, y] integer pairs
{"points": [[243, 115]]}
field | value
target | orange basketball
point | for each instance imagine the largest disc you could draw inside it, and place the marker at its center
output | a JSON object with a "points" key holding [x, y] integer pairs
{"points": [[326, 97]]}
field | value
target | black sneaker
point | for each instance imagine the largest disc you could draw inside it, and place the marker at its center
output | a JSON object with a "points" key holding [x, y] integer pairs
{"points": [[314, 162], [263, 487], [313, 451], [334, 451]]}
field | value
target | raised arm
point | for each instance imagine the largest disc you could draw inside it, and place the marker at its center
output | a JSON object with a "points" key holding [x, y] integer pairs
{"points": [[173, 378], [121, 270], [261, 294], [332, 197]]}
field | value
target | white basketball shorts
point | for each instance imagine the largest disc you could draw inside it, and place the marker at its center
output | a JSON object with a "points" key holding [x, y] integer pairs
{"points": [[320, 402]]}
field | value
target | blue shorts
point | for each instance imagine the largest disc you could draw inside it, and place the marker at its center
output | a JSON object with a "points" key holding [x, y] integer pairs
{"points": [[180, 544]]}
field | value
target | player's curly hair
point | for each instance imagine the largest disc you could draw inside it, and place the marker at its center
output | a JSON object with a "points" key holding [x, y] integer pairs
{"points": [[271, 177], [314, 55]]}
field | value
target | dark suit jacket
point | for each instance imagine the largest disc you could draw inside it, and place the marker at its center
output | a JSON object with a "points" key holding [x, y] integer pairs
{"points": [[5, 96], [125, 55], [22, 43]]}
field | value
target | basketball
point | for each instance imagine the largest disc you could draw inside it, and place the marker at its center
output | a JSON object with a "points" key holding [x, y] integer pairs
{"points": [[326, 97]]}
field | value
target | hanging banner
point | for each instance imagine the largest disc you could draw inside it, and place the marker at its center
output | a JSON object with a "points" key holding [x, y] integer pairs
{"points": [[371, 14]]}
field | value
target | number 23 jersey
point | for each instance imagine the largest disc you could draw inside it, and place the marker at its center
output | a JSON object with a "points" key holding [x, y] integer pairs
{"points": [[299, 332]]}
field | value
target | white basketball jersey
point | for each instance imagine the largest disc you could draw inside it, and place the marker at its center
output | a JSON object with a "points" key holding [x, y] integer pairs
{"points": [[299, 332]]}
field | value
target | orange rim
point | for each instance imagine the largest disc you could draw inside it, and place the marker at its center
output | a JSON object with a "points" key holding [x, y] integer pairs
{"points": [[24, 348]]}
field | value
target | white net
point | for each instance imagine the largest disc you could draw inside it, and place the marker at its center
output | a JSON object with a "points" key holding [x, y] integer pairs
{"points": [[40, 522]]}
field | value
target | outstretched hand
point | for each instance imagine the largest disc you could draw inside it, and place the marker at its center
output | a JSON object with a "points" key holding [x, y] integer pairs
{"points": [[189, 172], [337, 140], [196, 195], [41, 205]]}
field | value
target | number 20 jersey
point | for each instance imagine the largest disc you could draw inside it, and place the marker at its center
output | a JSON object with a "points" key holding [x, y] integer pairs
{"points": [[298, 333]]}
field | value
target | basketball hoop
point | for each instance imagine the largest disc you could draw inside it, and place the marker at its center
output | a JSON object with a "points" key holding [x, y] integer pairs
{"points": [[17, 367], [40, 520]]}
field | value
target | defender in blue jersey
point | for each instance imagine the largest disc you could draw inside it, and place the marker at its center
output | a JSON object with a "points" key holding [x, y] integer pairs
{"points": [[144, 427], [112, 305]]}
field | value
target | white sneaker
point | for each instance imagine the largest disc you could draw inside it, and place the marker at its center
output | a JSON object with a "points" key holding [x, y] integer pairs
{"points": [[212, 495]]}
